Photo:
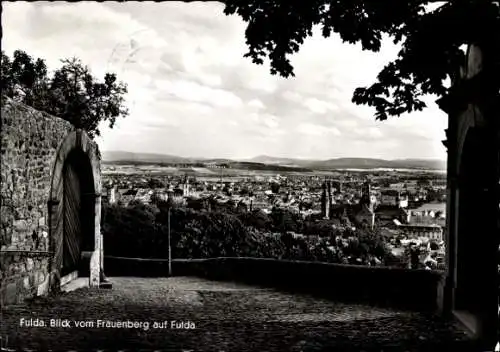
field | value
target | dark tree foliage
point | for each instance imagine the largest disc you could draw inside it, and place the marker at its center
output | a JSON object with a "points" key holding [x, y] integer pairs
{"points": [[434, 246], [256, 219], [374, 241], [275, 187], [321, 228], [71, 93], [284, 220], [127, 229], [140, 230], [155, 183], [430, 41], [197, 204]]}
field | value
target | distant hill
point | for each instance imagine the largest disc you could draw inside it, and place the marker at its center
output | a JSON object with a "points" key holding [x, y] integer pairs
{"points": [[247, 165], [434, 164], [346, 163], [216, 160], [119, 156], [365, 163], [264, 159], [260, 162], [355, 163]]}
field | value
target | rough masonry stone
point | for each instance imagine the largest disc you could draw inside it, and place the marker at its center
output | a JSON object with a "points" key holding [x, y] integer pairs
{"points": [[34, 149]]}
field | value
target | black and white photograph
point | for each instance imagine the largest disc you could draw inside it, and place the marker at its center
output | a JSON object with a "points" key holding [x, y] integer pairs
{"points": [[277, 175]]}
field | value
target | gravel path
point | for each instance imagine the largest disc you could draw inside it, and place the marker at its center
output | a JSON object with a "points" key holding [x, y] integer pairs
{"points": [[226, 316]]}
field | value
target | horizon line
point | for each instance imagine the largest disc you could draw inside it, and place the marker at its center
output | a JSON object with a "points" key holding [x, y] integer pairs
{"points": [[272, 156]]}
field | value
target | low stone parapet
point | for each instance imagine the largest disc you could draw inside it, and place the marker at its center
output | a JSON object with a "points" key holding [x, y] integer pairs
{"points": [[383, 286]]}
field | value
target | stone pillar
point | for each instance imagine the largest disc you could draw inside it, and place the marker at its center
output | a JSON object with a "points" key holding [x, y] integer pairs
{"points": [[451, 217], [104, 282], [95, 259], [55, 244], [102, 255], [95, 267]]}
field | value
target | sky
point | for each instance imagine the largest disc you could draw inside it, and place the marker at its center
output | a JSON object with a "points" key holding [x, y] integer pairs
{"points": [[193, 94]]}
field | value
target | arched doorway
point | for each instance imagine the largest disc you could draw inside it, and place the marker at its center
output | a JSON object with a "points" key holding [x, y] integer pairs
{"points": [[473, 143], [78, 212], [477, 240], [75, 212]]}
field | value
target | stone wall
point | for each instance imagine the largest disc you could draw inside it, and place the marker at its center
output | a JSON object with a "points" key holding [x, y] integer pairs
{"points": [[379, 286], [30, 141]]}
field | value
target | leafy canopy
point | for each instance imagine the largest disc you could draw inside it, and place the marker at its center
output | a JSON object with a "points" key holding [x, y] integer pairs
{"points": [[71, 93], [430, 40]]}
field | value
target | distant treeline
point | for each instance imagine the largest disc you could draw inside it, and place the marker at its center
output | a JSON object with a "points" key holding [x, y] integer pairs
{"points": [[245, 165], [232, 165], [155, 163]]}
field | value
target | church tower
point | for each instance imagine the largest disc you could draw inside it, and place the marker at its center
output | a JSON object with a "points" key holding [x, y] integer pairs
{"points": [[185, 186], [366, 195], [330, 196], [325, 201]]}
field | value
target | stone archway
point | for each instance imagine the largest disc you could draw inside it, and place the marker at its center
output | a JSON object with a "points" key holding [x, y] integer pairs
{"points": [[475, 294], [474, 231], [473, 143], [75, 211]]}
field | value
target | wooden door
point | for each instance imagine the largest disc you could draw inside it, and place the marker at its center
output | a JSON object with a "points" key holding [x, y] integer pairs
{"points": [[72, 233]]}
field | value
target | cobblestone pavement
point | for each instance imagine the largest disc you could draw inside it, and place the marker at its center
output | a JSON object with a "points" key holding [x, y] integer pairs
{"points": [[227, 317]]}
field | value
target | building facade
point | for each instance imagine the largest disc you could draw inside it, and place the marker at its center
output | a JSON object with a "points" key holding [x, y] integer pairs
{"points": [[392, 197], [431, 232]]}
